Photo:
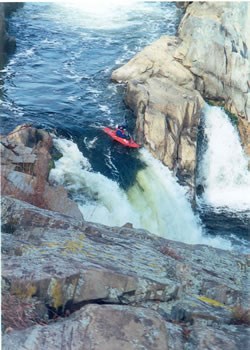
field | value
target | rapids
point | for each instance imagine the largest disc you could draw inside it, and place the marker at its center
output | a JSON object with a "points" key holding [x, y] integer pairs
{"points": [[59, 79], [155, 202]]}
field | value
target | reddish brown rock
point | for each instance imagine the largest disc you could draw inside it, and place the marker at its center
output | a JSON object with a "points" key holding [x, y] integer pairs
{"points": [[26, 162]]}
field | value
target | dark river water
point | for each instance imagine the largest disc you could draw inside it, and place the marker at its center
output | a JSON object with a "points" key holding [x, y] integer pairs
{"points": [[59, 79]]}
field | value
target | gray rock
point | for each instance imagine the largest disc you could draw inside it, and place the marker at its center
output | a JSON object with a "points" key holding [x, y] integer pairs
{"points": [[65, 263], [222, 337], [94, 327]]}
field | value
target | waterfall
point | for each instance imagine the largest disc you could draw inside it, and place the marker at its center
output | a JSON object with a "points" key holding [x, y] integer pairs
{"points": [[99, 198], [155, 201], [223, 170]]}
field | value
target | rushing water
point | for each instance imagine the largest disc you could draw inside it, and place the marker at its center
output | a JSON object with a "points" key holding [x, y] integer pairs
{"points": [[59, 79], [224, 175]]}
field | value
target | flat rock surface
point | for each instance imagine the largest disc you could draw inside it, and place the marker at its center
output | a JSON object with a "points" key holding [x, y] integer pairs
{"points": [[161, 288]]}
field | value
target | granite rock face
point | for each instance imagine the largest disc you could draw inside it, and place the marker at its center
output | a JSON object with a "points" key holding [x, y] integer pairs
{"points": [[215, 42], [161, 93], [165, 81], [214, 47], [166, 294]]}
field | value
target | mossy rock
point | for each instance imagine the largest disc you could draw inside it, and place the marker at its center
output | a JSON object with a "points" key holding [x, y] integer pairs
{"points": [[233, 118], [210, 301], [55, 154], [221, 103]]}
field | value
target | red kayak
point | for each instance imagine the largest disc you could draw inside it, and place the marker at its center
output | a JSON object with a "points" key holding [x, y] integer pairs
{"points": [[125, 142]]}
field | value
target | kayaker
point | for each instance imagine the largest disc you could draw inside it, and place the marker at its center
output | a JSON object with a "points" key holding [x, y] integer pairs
{"points": [[122, 132]]}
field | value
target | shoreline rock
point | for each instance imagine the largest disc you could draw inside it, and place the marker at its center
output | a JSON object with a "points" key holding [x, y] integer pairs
{"points": [[185, 62], [7, 42], [167, 126], [25, 166], [218, 55]]}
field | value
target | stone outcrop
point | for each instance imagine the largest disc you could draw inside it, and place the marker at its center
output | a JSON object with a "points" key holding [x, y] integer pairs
{"points": [[25, 165], [165, 81], [215, 38], [215, 42], [125, 327], [117, 287], [7, 42], [161, 93]]}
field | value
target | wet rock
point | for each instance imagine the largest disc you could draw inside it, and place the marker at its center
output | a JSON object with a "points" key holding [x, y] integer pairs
{"points": [[26, 162], [182, 4], [7, 42], [244, 130], [161, 93]]}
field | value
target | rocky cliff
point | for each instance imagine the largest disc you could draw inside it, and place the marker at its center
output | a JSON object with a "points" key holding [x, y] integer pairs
{"points": [[72, 284], [168, 81], [161, 91], [215, 42]]}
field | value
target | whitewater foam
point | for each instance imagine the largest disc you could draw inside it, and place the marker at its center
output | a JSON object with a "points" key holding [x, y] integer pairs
{"points": [[99, 198], [223, 170], [164, 207], [98, 14], [155, 202]]}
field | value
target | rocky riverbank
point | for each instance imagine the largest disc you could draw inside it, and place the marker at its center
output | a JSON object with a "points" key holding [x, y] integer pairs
{"points": [[169, 81], [7, 42], [25, 164], [68, 283]]}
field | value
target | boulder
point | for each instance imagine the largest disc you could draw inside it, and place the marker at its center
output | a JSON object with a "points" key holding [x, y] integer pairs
{"points": [[158, 60], [103, 327], [225, 33], [26, 162], [222, 337]]}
